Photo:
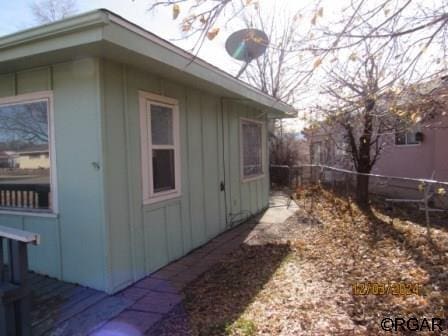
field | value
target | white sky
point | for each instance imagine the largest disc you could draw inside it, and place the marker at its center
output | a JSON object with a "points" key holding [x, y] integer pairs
{"points": [[16, 15]]}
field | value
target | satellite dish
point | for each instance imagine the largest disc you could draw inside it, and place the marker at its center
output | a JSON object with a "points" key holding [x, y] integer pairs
{"points": [[246, 45]]}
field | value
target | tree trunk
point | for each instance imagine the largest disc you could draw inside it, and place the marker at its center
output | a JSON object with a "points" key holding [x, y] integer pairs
{"points": [[362, 181], [362, 190]]}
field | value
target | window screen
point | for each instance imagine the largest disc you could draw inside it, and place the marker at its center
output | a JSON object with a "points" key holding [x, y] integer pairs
{"points": [[163, 169], [161, 125], [252, 149]]}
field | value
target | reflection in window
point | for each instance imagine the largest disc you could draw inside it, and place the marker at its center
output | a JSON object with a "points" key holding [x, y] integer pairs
{"points": [[163, 169], [161, 125], [252, 149], [24, 156]]}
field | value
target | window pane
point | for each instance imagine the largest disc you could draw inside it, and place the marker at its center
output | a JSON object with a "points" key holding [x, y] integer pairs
{"points": [[163, 169], [252, 147], [411, 138], [161, 125], [24, 156], [400, 138]]}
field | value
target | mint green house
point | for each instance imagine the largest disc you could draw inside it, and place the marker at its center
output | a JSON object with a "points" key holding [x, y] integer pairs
{"points": [[123, 151]]}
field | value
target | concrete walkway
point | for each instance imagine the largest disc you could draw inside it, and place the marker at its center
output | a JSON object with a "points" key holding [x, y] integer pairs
{"points": [[280, 209], [143, 306]]}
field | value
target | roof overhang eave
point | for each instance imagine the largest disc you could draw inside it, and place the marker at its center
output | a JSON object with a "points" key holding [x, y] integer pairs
{"points": [[102, 26]]}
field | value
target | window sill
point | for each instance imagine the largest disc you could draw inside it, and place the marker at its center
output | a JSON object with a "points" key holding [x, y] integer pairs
{"points": [[162, 198], [29, 214], [252, 178], [408, 145]]}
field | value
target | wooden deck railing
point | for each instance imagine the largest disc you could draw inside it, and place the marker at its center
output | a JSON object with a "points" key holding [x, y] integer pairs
{"points": [[34, 196], [15, 319]]}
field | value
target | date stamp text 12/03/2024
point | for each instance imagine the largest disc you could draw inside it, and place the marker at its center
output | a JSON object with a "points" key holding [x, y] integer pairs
{"points": [[384, 288]]}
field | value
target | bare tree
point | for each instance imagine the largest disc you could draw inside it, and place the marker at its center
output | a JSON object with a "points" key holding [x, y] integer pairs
{"points": [[415, 25], [201, 19], [282, 69], [45, 11], [363, 98], [26, 123], [365, 60], [284, 150]]}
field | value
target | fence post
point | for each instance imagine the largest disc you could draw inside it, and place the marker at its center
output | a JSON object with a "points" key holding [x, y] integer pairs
{"points": [[428, 225], [346, 187], [289, 177], [333, 181]]}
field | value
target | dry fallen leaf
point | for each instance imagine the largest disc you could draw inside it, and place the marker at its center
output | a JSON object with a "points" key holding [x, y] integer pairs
{"points": [[212, 33], [296, 278], [176, 11]]}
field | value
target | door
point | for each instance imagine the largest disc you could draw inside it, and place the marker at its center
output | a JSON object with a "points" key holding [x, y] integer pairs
{"points": [[245, 162]]}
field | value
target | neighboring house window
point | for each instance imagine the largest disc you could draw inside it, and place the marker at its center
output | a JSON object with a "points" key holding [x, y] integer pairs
{"points": [[405, 135], [28, 182], [251, 149], [159, 118]]}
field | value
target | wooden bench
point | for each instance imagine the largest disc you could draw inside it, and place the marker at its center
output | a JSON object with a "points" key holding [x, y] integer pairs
{"points": [[14, 288]]}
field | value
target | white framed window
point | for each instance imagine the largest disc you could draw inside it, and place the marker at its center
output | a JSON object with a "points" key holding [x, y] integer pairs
{"points": [[160, 147], [27, 154], [407, 135], [252, 158]]}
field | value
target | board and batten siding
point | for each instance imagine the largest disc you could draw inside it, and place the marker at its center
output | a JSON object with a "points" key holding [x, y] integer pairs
{"points": [[72, 241], [143, 238]]}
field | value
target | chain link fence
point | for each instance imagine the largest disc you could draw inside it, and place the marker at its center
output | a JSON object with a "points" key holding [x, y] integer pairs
{"points": [[427, 197]]}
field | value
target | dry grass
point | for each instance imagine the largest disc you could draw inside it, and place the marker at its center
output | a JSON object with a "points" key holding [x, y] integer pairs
{"points": [[296, 279]]}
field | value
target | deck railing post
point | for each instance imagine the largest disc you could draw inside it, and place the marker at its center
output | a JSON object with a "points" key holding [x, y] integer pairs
{"points": [[19, 270], [3, 318], [15, 301], [2, 266], [3, 325]]}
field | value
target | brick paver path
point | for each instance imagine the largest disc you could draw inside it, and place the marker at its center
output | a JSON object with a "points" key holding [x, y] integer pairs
{"points": [[63, 309], [157, 296], [60, 308]]}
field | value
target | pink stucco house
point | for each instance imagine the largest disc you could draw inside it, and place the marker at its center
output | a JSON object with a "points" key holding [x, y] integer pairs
{"points": [[419, 152], [407, 157]]}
